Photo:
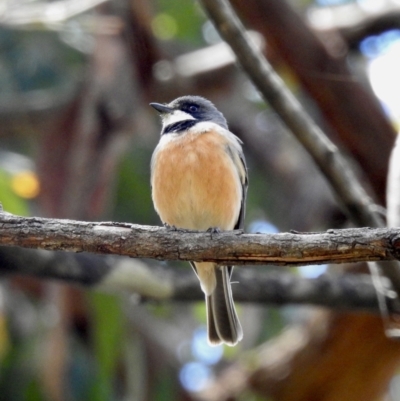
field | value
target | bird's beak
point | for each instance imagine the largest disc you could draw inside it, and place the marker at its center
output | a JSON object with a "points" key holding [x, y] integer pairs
{"points": [[162, 108]]}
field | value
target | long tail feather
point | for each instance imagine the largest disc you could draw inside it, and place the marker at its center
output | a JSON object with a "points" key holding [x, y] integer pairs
{"points": [[223, 322]]}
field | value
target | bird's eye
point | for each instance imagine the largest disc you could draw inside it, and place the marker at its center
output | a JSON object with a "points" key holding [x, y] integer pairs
{"points": [[193, 108]]}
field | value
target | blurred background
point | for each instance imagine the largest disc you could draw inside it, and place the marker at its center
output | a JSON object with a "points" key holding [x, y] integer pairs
{"points": [[76, 138]]}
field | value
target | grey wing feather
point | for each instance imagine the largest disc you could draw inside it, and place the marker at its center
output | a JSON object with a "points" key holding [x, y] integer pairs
{"points": [[245, 184], [194, 268], [237, 156]]}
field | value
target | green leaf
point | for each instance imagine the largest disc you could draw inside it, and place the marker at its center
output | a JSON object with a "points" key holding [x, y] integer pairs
{"points": [[11, 202]]}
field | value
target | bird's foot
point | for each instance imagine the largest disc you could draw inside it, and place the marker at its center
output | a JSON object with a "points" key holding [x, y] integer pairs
{"points": [[214, 230], [169, 227], [174, 228]]}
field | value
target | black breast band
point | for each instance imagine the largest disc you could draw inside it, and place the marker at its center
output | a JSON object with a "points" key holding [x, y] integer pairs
{"points": [[179, 126]]}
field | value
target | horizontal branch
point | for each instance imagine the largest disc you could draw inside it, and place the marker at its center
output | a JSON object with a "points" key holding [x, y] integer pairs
{"points": [[344, 292], [233, 247], [341, 292]]}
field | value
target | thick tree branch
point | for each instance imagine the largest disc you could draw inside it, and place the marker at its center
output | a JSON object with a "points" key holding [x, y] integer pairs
{"points": [[234, 247]]}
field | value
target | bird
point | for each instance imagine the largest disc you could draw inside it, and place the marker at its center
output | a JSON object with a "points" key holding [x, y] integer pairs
{"points": [[199, 181]]}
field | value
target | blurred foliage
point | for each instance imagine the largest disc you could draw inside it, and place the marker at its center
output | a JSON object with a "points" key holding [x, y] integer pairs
{"points": [[107, 325], [10, 201], [133, 193], [38, 62], [164, 388], [19, 378], [41, 62], [188, 18], [35, 61]]}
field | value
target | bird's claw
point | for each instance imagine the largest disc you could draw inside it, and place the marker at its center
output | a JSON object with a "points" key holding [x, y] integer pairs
{"points": [[174, 228], [214, 230]]}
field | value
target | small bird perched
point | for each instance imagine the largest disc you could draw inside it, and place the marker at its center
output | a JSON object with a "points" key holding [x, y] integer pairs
{"points": [[199, 182]]}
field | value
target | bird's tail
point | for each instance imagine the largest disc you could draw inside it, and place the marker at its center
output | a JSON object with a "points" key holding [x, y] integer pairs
{"points": [[222, 321]]}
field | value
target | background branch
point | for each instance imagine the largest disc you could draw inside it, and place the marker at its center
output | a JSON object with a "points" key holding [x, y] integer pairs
{"points": [[351, 292]]}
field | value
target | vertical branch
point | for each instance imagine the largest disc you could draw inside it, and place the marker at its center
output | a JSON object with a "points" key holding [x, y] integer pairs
{"points": [[143, 49], [77, 166], [393, 187], [322, 69]]}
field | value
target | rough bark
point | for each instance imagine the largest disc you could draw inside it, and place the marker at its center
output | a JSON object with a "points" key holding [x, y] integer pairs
{"points": [[233, 247]]}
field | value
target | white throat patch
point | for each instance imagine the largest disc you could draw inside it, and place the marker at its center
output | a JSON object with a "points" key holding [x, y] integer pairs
{"points": [[175, 117]]}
